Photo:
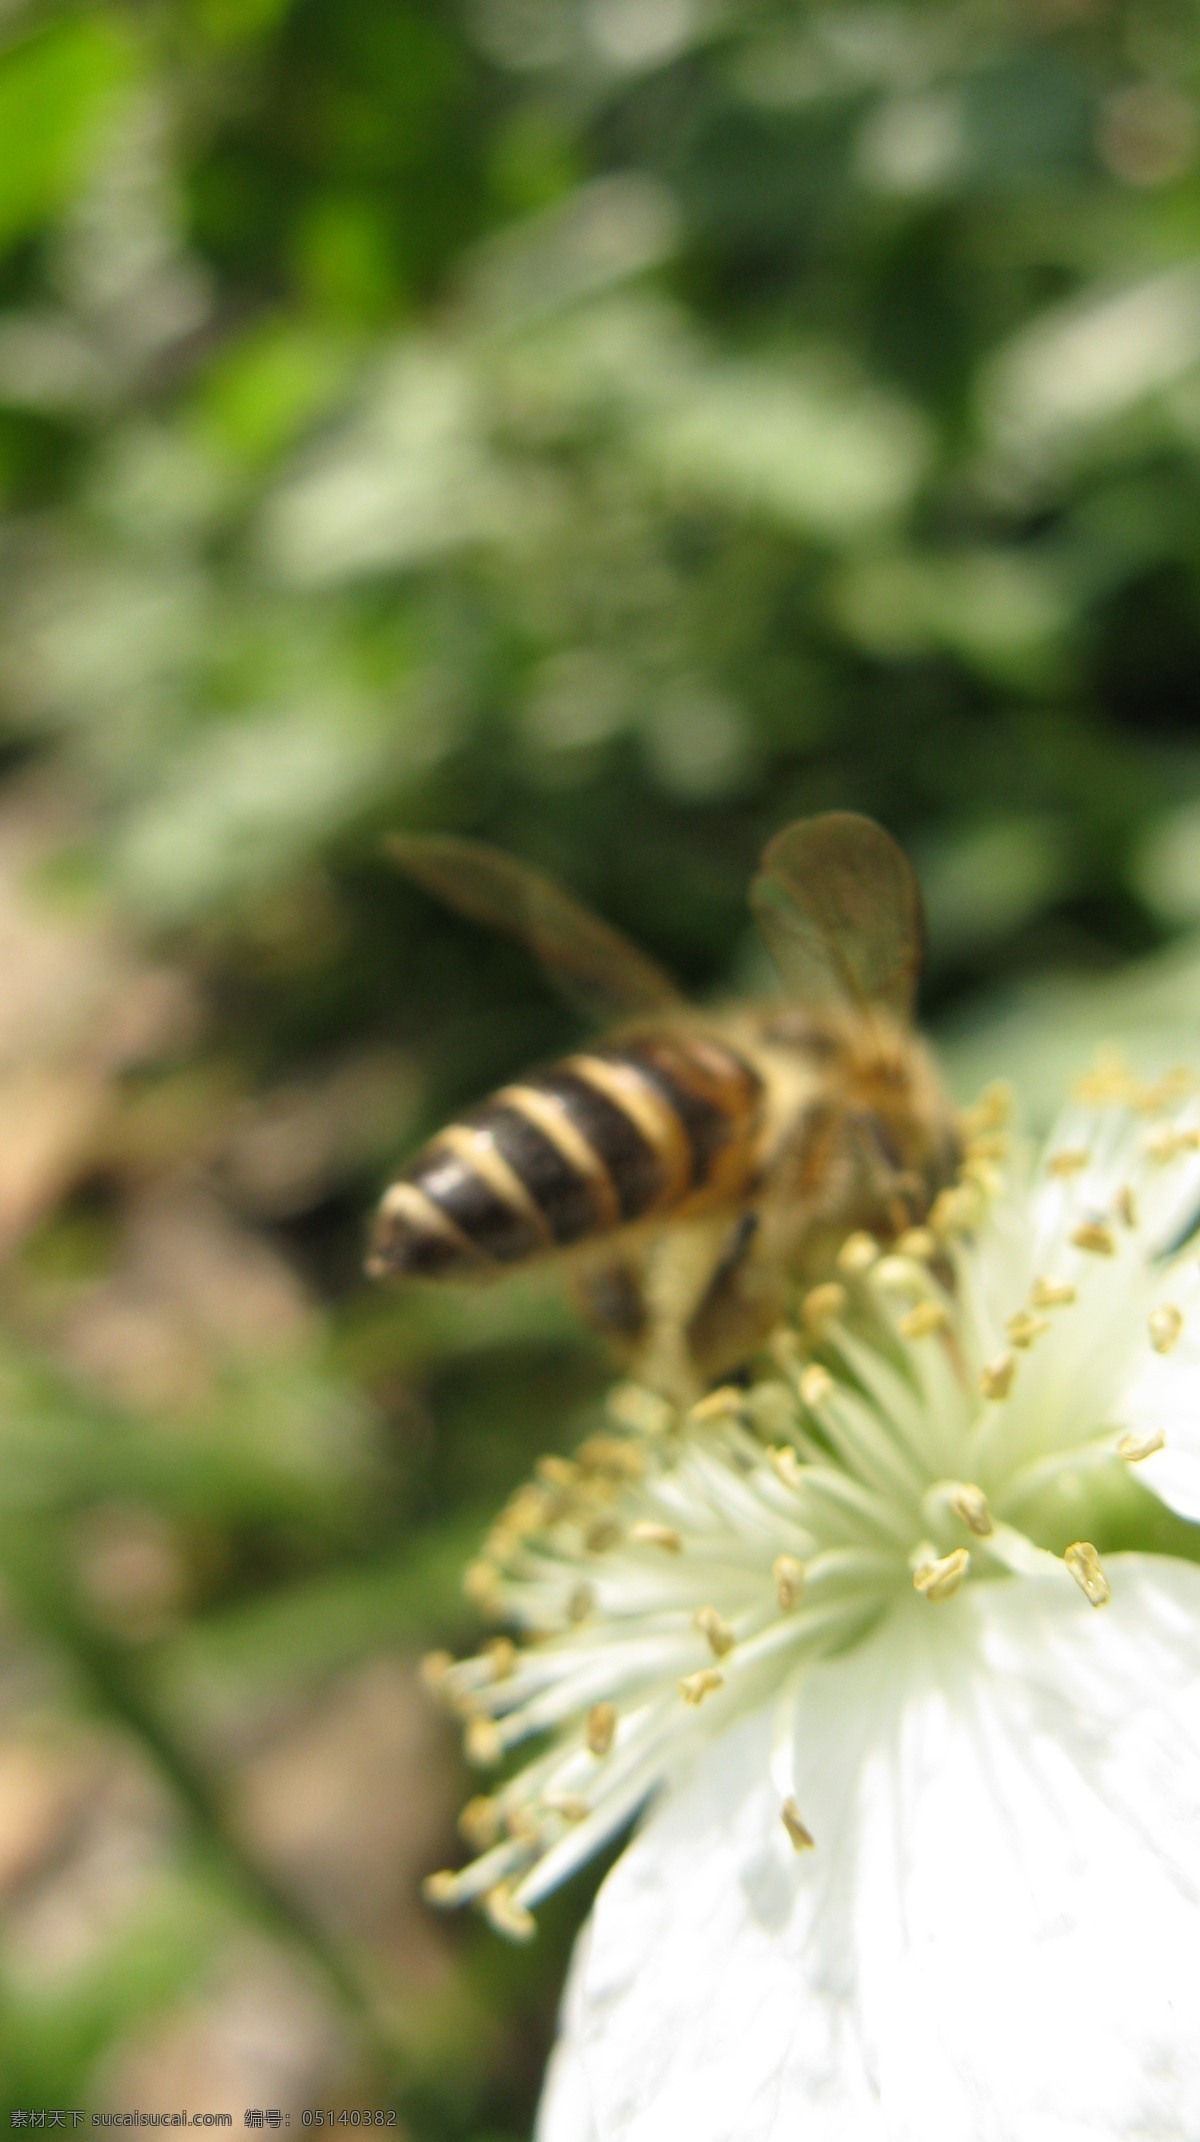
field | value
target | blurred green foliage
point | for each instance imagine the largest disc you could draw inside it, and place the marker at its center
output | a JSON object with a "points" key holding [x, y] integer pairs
{"points": [[609, 427]]}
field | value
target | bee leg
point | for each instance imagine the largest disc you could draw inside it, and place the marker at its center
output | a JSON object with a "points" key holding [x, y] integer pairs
{"points": [[613, 1300], [679, 1266], [899, 1195], [743, 1298], [733, 1256]]}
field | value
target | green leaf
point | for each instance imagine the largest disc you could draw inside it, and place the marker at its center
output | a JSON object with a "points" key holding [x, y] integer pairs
{"points": [[55, 90]]}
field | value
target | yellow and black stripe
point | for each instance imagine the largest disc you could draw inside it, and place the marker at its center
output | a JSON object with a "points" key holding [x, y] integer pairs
{"points": [[645, 1127]]}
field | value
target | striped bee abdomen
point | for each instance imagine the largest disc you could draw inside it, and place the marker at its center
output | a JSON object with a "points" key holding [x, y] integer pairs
{"points": [[652, 1125]]}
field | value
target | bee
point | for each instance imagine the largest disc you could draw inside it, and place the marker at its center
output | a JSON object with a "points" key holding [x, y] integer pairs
{"points": [[694, 1165]]}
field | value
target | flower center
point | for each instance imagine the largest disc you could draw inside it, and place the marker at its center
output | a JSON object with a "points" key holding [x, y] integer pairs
{"points": [[921, 1424]]}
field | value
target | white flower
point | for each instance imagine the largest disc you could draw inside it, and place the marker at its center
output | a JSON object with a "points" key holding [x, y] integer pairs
{"points": [[850, 1608]]}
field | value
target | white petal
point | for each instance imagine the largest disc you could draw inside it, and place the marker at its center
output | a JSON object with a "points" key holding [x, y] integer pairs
{"points": [[998, 1935], [565, 2114], [1161, 1398]]}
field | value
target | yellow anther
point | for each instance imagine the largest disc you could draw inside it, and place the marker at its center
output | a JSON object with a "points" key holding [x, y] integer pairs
{"points": [[501, 1655], [483, 1744], [969, 1503], [1125, 1206], [1095, 1237], [463, 1702], [954, 1211], [797, 1829], [996, 1377], [1151, 1097], [439, 1888], [989, 1145], [648, 1534], [1165, 1325], [788, 1573], [716, 1629], [602, 1535], [919, 1243], [720, 1405], [816, 1383], [481, 1583], [984, 1174], [991, 1111], [898, 1275], [771, 1407], [694, 1687], [570, 1805], [1109, 1082], [633, 1406], [787, 1465], [507, 1916], [433, 1670], [527, 1509], [923, 1320], [823, 1306], [943, 1213], [938, 1577], [1025, 1327], [601, 1727], [612, 1455], [857, 1254], [1052, 1293], [1162, 1144], [973, 1199], [1069, 1160], [786, 1350], [1133, 1448], [1174, 1084], [1088, 1571], [557, 1472], [580, 1602], [479, 1822]]}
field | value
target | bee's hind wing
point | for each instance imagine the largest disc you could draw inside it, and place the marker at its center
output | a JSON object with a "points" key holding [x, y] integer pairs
{"points": [[839, 907], [596, 967]]}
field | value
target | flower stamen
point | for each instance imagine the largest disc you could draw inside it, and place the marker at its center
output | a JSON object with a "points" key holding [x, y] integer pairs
{"points": [[1133, 1448], [815, 1385], [1094, 1237], [1088, 1571], [1165, 1324], [601, 1727], [1052, 1294], [507, 1916], [964, 1500], [694, 1687], [923, 1320], [1125, 1205], [645, 1533], [716, 1629], [1070, 1160], [797, 1829], [822, 1307], [789, 1581], [857, 1254], [483, 1744], [938, 1577], [996, 1377], [1024, 1327]]}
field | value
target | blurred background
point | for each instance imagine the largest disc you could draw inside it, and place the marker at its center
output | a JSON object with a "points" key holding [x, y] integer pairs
{"points": [[608, 427]]}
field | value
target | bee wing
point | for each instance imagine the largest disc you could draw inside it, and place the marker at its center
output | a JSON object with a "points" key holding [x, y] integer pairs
{"points": [[594, 964], [840, 909]]}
